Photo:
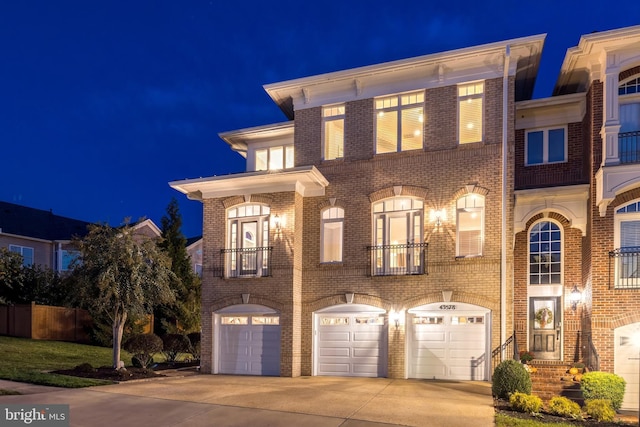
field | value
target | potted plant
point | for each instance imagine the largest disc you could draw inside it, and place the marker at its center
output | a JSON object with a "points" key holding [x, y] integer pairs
{"points": [[526, 356]]}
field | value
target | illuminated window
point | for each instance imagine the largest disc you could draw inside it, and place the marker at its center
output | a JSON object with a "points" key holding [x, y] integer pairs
{"points": [[333, 128], [545, 254], [331, 234], [470, 225], [470, 112], [274, 158], [546, 146], [399, 122]]}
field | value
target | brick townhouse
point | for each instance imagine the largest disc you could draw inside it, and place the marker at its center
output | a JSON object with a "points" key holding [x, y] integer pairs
{"points": [[410, 216]]}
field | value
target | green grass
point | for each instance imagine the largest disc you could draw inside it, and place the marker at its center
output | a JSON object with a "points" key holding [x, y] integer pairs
{"points": [[28, 360], [503, 420]]}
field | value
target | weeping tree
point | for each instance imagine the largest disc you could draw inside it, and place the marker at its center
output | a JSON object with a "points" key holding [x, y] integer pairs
{"points": [[121, 277]]}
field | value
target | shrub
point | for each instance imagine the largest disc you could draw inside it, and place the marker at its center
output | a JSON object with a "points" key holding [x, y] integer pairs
{"points": [[144, 363], [600, 409], [173, 345], [603, 385], [143, 347], [510, 376], [526, 356], [563, 407], [523, 402], [194, 348]]}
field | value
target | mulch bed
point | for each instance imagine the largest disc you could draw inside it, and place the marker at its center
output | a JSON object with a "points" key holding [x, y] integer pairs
{"points": [[502, 407], [130, 373]]}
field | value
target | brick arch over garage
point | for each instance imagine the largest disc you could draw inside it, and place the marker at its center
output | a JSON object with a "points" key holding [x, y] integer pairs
{"points": [[253, 299], [342, 299], [456, 296]]}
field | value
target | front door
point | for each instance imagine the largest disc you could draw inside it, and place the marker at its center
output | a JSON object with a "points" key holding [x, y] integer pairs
{"points": [[544, 327]]}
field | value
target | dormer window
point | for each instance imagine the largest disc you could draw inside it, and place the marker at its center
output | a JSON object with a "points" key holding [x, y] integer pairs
{"points": [[274, 158]]}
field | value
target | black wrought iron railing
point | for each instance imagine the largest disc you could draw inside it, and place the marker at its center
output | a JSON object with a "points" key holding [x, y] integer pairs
{"points": [[247, 262], [624, 263], [507, 350], [589, 353], [629, 147], [393, 260]]}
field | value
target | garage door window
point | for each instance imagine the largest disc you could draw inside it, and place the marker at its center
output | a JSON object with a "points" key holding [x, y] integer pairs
{"points": [[265, 320], [235, 320], [463, 320], [371, 320], [334, 321], [426, 320]]}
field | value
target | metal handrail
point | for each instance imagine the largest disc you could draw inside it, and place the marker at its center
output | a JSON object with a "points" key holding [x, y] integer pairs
{"points": [[627, 267], [247, 262]]}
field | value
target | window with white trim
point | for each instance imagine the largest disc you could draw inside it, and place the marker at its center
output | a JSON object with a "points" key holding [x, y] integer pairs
{"points": [[470, 112], [630, 86], [274, 158], [397, 236], [545, 253], [627, 242], [248, 251], [470, 225], [25, 251], [399, 122], [332, 231], [544, 146], [333, 129]]}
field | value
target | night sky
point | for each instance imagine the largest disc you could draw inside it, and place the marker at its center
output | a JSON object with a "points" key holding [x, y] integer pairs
{"points": [[102, 103]]}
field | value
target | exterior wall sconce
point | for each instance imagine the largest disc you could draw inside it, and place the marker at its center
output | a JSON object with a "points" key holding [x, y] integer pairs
{"points": [[437, 216], [276, 222], [395, 316], [575, 297]]}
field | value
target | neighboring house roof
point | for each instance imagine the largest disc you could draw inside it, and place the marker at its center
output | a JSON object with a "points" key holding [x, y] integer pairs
{"points": [[36, 223], [192, 240]]}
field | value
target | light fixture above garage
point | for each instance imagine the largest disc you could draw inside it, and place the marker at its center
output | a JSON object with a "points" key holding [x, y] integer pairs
{"points": [[395, 316]]}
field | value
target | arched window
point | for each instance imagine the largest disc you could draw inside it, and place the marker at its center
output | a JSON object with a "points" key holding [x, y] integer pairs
{"points": [[331, 232], [470, 225], [397, 236], [247, 253], [545, 254]]}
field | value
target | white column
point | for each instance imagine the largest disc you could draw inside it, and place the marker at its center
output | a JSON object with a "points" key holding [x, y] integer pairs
{"points": [[610, 109]]}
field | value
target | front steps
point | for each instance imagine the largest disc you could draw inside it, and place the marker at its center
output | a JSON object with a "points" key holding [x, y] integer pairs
{"points": [[553, 379]]}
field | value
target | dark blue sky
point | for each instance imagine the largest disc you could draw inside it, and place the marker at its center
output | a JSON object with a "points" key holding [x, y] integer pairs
{"points": [[102, 103]]}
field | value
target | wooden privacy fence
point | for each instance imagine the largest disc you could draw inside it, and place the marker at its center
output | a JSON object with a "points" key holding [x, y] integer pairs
{"points": [[45, 322]]}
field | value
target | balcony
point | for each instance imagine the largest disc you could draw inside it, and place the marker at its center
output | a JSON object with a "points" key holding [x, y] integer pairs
{"points": [[395, 260], [629, 147], [247, 262], [626, 262]]}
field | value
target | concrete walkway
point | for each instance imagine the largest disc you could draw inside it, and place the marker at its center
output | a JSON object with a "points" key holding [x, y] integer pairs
{"points": [[218, 400]]}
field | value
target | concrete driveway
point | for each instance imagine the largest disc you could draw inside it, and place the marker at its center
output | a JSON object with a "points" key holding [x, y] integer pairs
{"points": [[218, 400]]}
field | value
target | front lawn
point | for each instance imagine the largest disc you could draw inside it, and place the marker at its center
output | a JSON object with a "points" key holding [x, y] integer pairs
{"points": [[27, 360]]}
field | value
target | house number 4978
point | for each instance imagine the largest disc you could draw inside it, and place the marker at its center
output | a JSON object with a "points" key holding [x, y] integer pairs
{"points": [[447, 307]]}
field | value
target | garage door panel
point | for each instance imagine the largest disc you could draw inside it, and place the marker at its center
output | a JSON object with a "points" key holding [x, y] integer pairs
{"points": [[249, 349], [351, 348], [334, 351], [445, 350], [626, 363]]}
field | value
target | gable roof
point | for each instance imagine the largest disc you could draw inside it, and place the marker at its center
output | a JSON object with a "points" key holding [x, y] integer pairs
{"points": [[36, 223]]}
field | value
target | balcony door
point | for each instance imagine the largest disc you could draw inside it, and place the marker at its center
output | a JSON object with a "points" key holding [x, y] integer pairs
{"points": [[398, 227], [248, 255]]}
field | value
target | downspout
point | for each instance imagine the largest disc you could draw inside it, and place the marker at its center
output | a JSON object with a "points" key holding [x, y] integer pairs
{"points": [[503, 243]]}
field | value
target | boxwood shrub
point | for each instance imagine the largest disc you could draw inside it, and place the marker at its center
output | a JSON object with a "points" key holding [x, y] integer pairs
{"points": [[509, 377], [523, 402], [564, 407], [603, 385], [599, 409]]}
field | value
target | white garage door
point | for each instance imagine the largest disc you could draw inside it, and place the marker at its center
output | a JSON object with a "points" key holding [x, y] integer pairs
{"points": [[450, 343], [351, 344], [626, 362], [249, 344]]}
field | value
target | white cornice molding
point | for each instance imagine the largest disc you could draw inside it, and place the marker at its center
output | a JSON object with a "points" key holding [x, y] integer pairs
{"points": [[569, 201], [614, 180], [452, 67], [305, 180], [239, 139], [552, 111]]}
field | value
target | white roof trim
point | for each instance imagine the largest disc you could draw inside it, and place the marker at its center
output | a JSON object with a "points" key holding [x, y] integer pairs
{"points": [[305, 180]]}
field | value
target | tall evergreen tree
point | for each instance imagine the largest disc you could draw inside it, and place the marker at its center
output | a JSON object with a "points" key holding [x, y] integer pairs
{"points": [[184, 314]]}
